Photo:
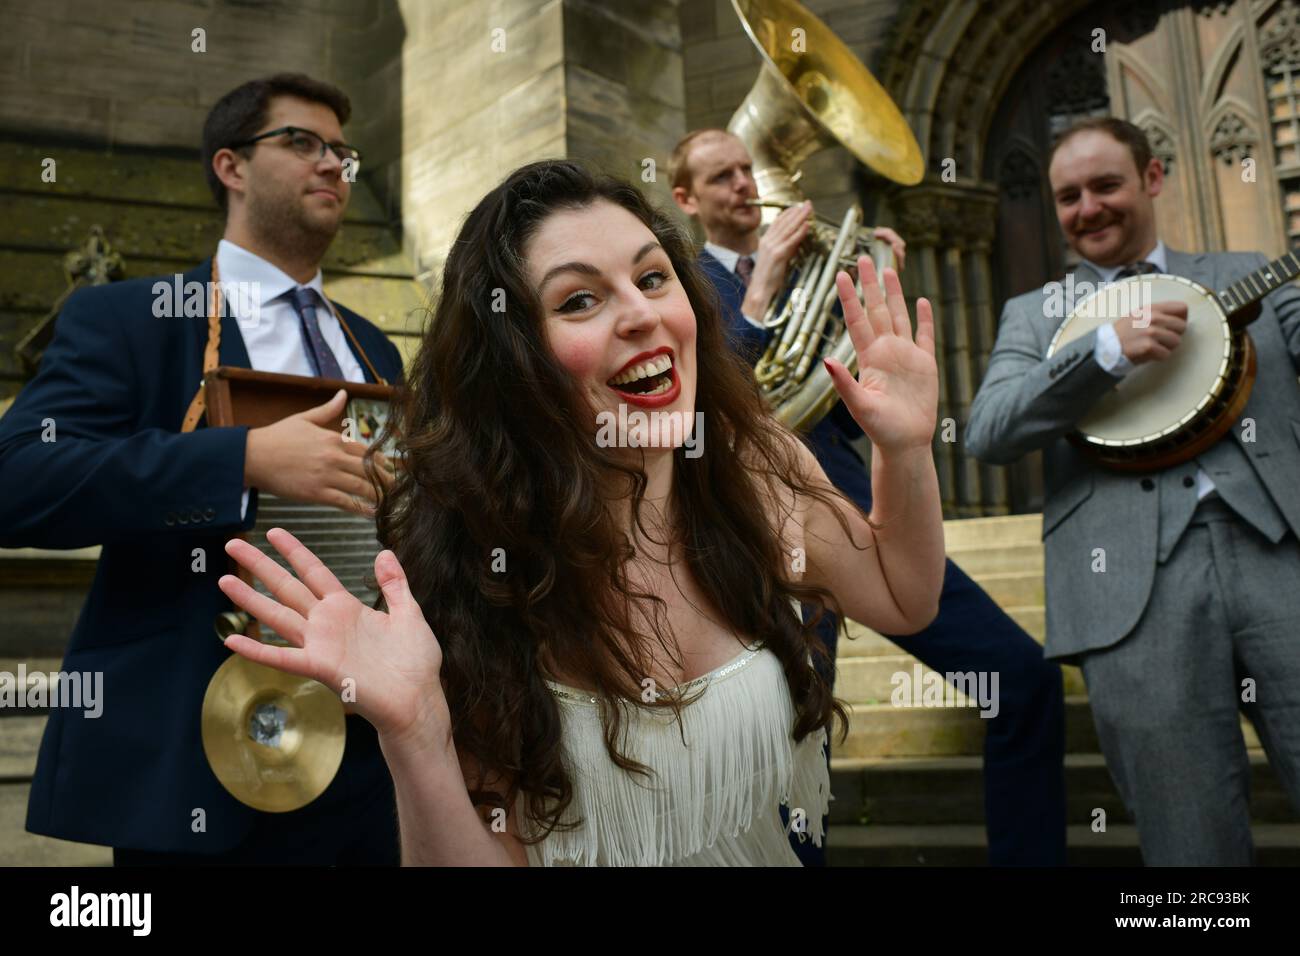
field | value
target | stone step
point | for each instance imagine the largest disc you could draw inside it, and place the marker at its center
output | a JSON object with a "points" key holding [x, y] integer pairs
{"points": [[36, 671], [882, 730], [950, 790], [1005, 531], [41, 594], [862, 641], [20, 848], [873, 680], [979, 561], [898, 796], [20, 739], [1277, 844], [1013, 588]]}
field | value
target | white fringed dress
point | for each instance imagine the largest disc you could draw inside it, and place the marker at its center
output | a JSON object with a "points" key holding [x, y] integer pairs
{"points": [[712, 802]]}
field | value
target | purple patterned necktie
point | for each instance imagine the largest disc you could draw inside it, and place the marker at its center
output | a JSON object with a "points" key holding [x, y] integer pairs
{"points": [[745, 269], [318, 350], [1137, 269]]}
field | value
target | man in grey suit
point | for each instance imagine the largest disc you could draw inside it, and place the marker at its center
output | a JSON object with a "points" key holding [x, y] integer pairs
{"points": [[1193, 610]]}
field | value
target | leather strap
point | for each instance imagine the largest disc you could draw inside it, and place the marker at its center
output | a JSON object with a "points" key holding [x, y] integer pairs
{"points": [[357, 345], [198, 404]]}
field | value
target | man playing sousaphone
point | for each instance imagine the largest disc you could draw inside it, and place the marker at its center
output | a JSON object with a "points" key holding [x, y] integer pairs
{"points": [[1174, 589], [126, 471], [712, 180]]}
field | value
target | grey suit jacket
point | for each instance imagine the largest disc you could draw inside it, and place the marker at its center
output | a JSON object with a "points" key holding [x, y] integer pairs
{"points": [[1027, 402]]}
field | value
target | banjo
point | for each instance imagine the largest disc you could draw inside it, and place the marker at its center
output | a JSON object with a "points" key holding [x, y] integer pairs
{"points": [[1163, 413]]}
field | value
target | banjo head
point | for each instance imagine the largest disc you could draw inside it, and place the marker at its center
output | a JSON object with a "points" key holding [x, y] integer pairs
{"points": [[1157, 399]]}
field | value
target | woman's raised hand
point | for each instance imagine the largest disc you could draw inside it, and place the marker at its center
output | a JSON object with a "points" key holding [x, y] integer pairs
{"points": [[392, 660], [895, 397]]}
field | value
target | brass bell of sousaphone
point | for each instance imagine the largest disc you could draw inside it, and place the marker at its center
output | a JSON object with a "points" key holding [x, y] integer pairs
{"points": [[813, 93], [274, 740]]}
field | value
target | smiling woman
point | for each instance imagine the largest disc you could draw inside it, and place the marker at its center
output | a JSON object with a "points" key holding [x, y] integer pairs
{"points": [[569, 626]]}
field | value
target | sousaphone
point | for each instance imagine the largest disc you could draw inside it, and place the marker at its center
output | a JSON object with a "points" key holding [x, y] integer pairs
{"points": [[811, 94]]}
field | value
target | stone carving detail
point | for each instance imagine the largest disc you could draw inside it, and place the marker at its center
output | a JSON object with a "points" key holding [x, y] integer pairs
{"points": [[919, 221], [904, 40], [1019, 176], [95, 262], [1076, 84], [977, 224], [1232, 140], [1138, 19], [948, 220], [1162, 145], [1213, 8], [1279, 46]]}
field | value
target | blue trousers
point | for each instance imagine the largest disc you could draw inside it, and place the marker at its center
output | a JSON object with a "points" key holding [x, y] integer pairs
{"points": [[1024, 751]]}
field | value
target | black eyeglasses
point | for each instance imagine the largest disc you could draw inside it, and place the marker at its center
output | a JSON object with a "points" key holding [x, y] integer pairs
{"points": [[308, 145]]}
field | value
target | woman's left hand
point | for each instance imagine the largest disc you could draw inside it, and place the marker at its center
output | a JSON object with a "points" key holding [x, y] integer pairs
{"points": [[895, 397]]}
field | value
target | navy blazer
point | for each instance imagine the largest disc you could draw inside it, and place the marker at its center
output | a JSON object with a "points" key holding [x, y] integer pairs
{"points": [[746, 338], [830, 437], [112, 388]]}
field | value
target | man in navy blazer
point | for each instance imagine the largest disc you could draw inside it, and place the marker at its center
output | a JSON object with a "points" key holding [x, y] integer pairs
{"points": [[92, 453], [1024, 753]]}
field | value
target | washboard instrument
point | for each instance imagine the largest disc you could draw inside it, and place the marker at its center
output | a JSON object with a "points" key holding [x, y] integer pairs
{"points": [[275, 741]]}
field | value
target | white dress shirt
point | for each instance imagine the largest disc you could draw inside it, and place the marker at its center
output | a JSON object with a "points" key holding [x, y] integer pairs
{"points": [[1110, 354], [729, 258], [272, 332]]}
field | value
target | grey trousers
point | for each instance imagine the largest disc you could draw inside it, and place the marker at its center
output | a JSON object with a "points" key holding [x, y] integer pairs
{"points": [[1224, 609]]}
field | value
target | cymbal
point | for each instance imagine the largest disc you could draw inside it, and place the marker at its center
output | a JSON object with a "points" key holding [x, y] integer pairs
{"points": [[275, 741]]}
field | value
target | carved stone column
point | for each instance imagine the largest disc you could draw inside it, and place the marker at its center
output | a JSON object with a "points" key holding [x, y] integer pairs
{"points": [[957, 356], [977, 226], [920, 225], [949, 230]]}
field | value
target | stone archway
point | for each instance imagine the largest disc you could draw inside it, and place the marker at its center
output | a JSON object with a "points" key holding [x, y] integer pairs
{"points": [[986, 83], [948, 66]]}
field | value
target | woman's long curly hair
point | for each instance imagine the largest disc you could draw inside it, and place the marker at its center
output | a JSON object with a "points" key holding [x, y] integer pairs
{"points": [[501, 468]]}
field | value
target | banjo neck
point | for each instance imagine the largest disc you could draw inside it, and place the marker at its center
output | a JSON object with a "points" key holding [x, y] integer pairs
{"points": [[1239, 296]]}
